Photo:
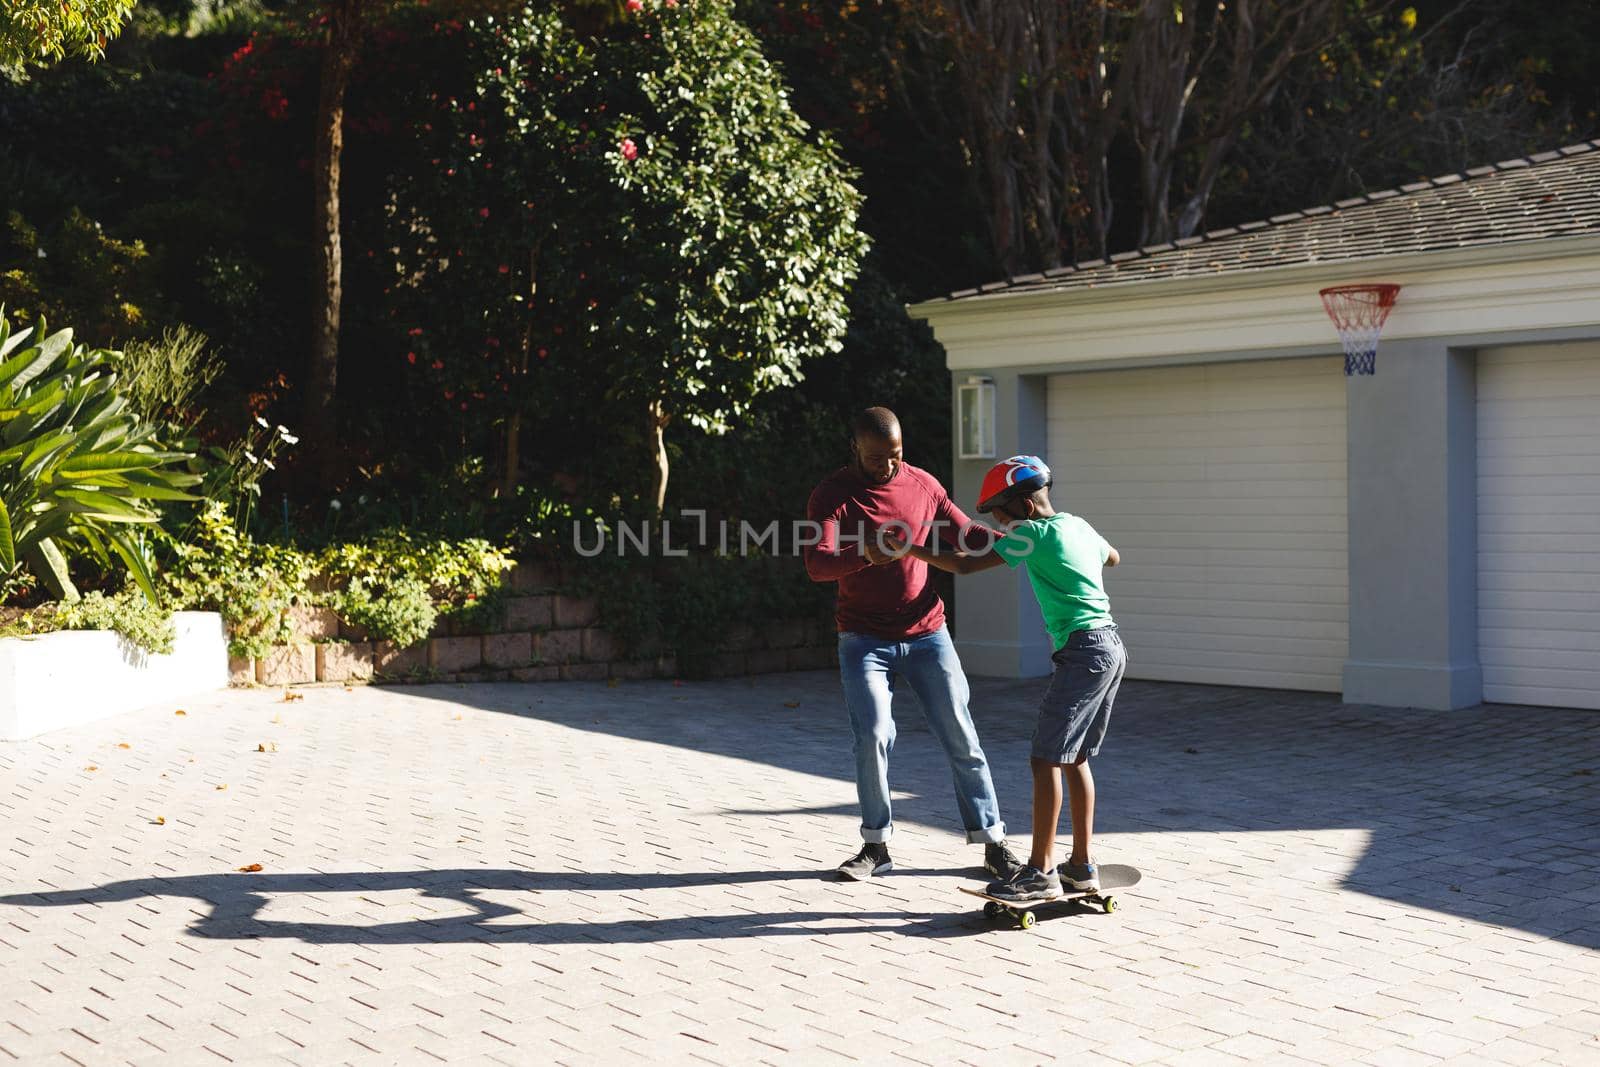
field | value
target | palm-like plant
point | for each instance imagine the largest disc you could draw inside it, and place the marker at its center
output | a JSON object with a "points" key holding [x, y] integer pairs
{"points": [[78, 469]]}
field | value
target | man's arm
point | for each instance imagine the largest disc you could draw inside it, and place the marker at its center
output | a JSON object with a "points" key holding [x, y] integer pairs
{"points": [[1113, 557], [824, 561]]}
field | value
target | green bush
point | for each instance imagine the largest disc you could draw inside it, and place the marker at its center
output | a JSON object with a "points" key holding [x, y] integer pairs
{"points": [[402, 612], [253, 585], [691, 605], [394, 583], [129, 613]]}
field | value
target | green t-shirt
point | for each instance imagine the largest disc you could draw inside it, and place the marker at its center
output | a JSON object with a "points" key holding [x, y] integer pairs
{"points": [[1065, 557]]}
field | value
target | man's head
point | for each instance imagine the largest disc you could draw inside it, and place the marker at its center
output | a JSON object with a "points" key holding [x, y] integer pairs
{"points": [[875, 448]]}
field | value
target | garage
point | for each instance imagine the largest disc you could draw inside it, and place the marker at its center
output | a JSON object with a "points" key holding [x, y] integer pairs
{"points": [[1539, 524], [1226, 484]]}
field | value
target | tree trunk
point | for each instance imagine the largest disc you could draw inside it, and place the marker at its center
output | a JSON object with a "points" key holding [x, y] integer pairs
{"points": [[656, 421], [513, 456], [338, 58]]}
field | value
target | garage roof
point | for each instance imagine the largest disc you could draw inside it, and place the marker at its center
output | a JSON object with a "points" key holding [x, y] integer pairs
{"points": [[1552, 194]]}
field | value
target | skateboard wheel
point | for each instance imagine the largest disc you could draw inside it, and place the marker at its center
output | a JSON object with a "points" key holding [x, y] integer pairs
{"points": [[1026, 920], [991, 910], [1110, 904]]}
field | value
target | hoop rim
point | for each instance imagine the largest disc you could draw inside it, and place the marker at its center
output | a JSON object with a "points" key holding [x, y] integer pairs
{"points": [[1386, 291]]}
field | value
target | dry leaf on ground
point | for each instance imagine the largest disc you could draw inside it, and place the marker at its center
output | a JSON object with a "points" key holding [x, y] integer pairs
{"points": [[159, 820], [180, 711], [250, 868], [267, 746], [91, 767], [123, 744], [221, 787], [791, 703]]}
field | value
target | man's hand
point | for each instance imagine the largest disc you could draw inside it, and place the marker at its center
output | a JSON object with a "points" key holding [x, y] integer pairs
{"points": [[883, 548]]}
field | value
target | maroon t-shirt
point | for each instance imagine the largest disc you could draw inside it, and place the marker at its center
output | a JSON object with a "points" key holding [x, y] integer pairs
{"points": [[895, 600]]}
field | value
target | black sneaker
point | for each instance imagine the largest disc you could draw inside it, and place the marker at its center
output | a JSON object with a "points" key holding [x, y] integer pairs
{"points": [[1000, 861], [1082, 877], [1028, 884], [872, 859]]}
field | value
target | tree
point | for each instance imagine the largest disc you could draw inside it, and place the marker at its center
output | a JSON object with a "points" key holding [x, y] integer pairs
{"points": [[36, 32], [341, 44], [1040, 95], [638, 223]]}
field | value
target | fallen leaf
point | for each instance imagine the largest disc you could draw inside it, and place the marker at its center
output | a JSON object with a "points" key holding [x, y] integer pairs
{"points": [[91, 767], [250, 869], [180, 711], [124, 744], [267, 746], [160, 820], [278, 719], [611, 683], [221, 787], [456, 717], [791, 703]]}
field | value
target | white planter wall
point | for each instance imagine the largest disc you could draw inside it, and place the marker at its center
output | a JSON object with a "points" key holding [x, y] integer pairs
{"points": [[74, 677]]}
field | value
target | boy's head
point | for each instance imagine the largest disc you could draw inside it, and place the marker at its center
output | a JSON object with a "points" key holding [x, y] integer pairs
{"points": [[1016, 489]]}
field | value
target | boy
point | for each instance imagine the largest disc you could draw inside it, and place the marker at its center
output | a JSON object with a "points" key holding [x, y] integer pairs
{"points": [[1065, 556]]}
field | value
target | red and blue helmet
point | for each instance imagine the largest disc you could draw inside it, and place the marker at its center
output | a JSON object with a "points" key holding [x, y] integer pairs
{"points": [[1010, 479]]}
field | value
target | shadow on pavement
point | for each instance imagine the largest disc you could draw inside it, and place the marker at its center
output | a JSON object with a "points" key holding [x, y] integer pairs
{"points": [[237, 901], [1491, 813]]}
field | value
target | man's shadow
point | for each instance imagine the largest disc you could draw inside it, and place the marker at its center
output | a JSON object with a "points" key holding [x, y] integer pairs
{"points": [[237, 901]]}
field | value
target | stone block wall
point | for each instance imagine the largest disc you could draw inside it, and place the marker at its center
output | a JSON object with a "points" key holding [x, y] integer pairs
{"points": [[545, 636]]}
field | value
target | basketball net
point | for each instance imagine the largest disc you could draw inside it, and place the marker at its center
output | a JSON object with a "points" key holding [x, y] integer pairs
{"points": [[1358, 313]]}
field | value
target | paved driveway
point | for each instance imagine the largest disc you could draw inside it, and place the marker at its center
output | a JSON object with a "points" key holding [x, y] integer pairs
{"points": [[578, 873]]}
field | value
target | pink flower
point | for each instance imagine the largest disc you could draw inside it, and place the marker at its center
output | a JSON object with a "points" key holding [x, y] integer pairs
{"points": [[438, 364], [504, 269], [635, 5], [415, 331], [411, 357], [483, 212], [630, 151]]}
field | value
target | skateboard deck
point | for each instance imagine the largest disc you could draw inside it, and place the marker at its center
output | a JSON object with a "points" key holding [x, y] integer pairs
{"points": [[1113, 876]]}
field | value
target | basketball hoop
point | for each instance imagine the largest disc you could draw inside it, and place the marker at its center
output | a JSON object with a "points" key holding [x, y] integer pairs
{"points": [[1358, 313]]}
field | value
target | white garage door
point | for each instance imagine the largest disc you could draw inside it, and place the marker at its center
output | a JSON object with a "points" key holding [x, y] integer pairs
{"points": [[1223, 486], [1539, 524]]}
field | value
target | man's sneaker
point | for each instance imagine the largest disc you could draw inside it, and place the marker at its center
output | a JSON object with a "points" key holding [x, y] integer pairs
{"points": [[1082, 877], [1000, 861], [1028, 884], [872, 859]]}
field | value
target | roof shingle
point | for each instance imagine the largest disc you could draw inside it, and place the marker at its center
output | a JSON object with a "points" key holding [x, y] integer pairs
{"points": [[1552, 194]]}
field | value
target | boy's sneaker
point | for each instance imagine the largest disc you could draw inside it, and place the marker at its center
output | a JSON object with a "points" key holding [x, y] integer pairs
{"points": [[1000, 861], [872, 859], [1082, 877], [1028, 884]]}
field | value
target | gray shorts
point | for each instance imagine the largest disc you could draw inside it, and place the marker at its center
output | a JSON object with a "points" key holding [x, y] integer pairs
{"points": [[1077, 707]]}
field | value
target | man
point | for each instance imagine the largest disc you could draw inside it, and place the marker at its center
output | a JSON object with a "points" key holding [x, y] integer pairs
{"points": [[891, 622]]}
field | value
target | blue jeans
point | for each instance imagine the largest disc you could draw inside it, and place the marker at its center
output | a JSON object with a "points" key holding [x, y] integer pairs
{"points": [[867, 666]]}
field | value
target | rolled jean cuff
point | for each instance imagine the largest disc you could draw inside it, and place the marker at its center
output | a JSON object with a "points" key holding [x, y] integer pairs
{"points": [[989, 835], [879, 836]]}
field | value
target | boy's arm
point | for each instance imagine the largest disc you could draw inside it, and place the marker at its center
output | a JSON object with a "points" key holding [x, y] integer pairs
{"points": [[1113, 557], [954, 562]]}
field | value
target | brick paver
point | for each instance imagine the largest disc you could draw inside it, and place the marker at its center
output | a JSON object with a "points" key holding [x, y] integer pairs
{"points": [[579, 872]]}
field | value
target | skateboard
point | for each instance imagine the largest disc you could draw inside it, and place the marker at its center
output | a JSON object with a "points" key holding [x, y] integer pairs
{"points": [[1112, 876]]}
